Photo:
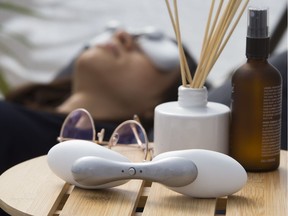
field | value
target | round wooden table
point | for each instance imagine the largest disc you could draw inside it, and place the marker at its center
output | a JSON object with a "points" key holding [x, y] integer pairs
{"points": [[30, 188]]}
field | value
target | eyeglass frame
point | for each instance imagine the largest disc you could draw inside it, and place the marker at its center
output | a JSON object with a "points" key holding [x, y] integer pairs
{"points": [[100, 135]]}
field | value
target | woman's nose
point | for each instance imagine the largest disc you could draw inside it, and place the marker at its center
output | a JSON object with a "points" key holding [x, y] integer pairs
{"points": [[125, 39]]}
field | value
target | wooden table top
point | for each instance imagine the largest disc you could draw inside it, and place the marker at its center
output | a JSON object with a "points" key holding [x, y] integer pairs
{"points": [[30, 188]]}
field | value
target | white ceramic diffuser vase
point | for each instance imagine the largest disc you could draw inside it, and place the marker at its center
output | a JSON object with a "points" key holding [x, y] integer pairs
{"points": [[191, 123]]}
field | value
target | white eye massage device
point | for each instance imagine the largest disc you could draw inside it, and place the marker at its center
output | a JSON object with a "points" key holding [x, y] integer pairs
{"points": [[195, 172]]}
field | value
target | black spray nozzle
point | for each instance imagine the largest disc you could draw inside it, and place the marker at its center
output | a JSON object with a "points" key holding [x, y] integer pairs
{"points": [[257, 23]]}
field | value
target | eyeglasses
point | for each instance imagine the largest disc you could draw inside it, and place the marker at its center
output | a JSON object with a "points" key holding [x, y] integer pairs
{"points": [[79, 124]]}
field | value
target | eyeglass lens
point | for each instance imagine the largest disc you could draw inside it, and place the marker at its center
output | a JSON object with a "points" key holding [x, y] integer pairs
{"points": [[129, 133], [78, 125]]}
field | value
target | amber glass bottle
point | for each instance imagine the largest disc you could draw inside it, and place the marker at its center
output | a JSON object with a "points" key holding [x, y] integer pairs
{"points": [[256, 102]]}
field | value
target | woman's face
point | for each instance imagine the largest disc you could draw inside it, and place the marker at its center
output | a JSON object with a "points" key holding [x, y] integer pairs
{"points": [[119, 69]]}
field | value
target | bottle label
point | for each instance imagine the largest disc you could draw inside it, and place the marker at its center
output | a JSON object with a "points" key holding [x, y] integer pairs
{"points": [[271, 128]]}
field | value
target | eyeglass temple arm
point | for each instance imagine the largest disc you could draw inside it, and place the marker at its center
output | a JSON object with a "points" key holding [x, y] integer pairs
{"points": [[136, 118], [100, 135], [140, 143], [133, 128]]}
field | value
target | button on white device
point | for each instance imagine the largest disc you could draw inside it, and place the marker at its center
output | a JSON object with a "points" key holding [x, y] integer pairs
{"points": [[131, 171]]}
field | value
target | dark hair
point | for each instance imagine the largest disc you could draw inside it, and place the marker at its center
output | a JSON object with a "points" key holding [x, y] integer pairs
{"points": [[42, 96]]}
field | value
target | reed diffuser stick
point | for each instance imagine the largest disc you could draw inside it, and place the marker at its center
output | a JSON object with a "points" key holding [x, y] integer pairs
{"points": [[185, 71], [223, 44], [214, 42], [215, 45], [204, 45], [232, 29], [179, 41]]}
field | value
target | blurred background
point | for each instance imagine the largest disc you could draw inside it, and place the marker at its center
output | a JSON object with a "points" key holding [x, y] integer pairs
{"points": [[39, 37]]}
